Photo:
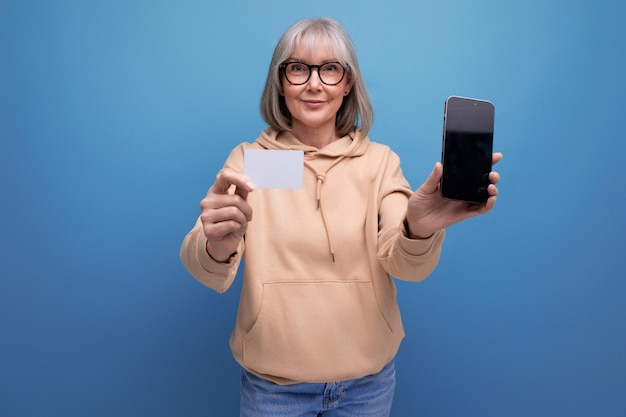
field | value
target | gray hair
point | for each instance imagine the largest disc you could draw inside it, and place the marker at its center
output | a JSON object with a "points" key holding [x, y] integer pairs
{"points": [[356, 106]]}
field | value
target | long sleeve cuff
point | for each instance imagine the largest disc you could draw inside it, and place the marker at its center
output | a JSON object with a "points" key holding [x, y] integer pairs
{"points": [[194, 256], [417, 247]]}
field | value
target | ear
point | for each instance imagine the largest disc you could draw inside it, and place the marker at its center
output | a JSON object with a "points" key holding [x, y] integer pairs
{"points": [[349, 86]]}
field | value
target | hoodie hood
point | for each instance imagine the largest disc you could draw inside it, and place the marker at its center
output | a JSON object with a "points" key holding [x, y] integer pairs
{"points": [[352, 145], [319, 161]]}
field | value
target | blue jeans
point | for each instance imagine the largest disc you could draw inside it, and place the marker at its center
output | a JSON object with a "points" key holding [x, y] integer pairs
{"points": [[370, 396]]}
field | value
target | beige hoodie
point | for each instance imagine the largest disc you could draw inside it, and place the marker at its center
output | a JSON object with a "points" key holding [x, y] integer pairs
{"points": [[318, 303]]}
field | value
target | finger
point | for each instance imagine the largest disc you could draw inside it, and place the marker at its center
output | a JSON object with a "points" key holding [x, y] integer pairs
{"points": [[494, 177], [217, 231], [491, 202], [213, 203], [222, 221], [227, 177], [432, 182], [496, 157], [492, 190], [225, 215], [242, 192]]}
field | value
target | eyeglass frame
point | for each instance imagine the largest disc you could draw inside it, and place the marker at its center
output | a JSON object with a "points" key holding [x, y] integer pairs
{"points": [[283, 67]]}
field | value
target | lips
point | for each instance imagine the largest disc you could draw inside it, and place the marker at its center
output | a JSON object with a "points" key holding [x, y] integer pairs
{"points": [[313, 103]]}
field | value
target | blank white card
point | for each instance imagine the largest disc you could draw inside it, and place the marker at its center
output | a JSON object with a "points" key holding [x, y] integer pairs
{"points": [[274, 168]]}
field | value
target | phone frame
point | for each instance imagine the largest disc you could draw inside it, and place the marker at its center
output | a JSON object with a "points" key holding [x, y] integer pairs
{"points": [[480, 131]]}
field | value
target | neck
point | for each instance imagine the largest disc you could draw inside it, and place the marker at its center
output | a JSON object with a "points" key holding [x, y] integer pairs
{"points": [[316, 137]]}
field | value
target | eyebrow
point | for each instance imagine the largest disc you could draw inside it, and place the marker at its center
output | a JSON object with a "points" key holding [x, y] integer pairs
{"points": [[306, 61]]}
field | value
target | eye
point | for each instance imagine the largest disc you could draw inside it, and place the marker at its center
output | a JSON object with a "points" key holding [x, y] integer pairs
{"points": [[332, 67], [296, 67]]}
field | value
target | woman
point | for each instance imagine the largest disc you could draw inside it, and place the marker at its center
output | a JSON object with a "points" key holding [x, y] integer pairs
{"points": [[318, 323]]}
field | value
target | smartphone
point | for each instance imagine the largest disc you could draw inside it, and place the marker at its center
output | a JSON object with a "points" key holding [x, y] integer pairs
{"points": [[467, 149]]}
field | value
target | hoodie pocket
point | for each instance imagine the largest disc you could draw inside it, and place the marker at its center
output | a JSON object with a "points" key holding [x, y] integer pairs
{"points": [[319, 332]]}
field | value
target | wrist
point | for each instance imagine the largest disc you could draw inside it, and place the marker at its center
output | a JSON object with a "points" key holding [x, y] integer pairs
{"points": [[410, 234], [218, 257]]}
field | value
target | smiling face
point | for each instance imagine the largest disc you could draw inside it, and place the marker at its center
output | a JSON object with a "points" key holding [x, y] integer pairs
{"points": [[314, 105]]}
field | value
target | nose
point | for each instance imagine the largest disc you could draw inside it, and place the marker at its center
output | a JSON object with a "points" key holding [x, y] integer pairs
{"points": [[314, 79]]}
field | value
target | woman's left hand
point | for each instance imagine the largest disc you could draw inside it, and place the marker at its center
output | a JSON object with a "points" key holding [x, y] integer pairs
{"points": [[429, 212]]}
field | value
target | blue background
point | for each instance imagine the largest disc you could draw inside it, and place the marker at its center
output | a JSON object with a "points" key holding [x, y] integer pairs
{"points": [[115, 117]]}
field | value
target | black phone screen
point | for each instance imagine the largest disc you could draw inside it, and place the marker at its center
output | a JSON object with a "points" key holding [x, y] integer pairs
{"points": [[467, 149]]}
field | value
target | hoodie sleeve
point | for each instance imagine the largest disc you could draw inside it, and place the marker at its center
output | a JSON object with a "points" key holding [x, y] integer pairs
{"points": [[218, 276], [401, 257]]}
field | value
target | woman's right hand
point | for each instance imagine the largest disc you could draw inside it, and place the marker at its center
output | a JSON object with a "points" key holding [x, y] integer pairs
{"points": [[225, 216]]}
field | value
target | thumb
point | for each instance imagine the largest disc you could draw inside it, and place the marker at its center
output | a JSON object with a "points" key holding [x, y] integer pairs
{"points": [[226, 178], [432, 182], [242, 192]]}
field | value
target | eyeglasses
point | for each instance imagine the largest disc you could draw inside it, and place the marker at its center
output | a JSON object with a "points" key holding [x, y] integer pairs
{"points": [[298, 73]]}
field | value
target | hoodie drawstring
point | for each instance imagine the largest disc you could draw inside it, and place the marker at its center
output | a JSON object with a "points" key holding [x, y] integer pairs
{"points": [[318, 193], [321, 176], [318, 189]]}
